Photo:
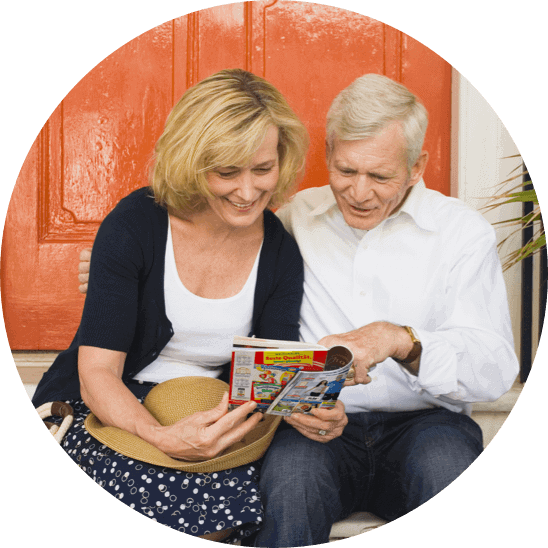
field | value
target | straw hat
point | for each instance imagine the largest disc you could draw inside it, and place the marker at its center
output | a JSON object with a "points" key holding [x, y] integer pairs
{"points": [[173, 400]]}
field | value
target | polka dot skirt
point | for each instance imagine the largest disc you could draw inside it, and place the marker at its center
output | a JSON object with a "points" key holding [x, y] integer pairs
{"points": [[194, 503]]}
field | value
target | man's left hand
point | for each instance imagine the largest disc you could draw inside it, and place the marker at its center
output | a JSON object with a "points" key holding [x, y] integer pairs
{"points": [[371, 344], [330, 421], [83, 270]]}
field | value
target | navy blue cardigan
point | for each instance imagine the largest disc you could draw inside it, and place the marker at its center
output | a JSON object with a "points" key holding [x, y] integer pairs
{"points": [[125, 309]]}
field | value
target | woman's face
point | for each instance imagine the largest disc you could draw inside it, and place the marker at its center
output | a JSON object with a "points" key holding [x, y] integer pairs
{"points": [[241, 194]]}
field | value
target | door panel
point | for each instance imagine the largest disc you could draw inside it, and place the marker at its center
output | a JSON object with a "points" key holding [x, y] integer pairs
{"points": [[99, 140], [335, 56], [220, 40], [97, 145]]}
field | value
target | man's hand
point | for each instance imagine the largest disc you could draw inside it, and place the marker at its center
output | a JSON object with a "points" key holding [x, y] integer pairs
{"points": [[371, 345], [330, 421], [83, 270]]}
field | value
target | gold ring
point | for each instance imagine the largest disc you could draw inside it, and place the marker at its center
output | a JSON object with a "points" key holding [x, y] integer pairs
{"points": [[351, 373], [322, 432]]}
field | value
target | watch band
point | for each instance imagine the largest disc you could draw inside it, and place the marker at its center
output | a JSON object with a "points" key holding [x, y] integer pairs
{"points": [[415, 351]]}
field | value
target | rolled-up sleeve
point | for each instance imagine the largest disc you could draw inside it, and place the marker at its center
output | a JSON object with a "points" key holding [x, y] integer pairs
{"points": [[470, 355]]}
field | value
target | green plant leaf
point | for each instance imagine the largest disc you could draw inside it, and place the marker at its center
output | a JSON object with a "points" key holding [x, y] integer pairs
{"points": [[525, 196], [518, 194]]}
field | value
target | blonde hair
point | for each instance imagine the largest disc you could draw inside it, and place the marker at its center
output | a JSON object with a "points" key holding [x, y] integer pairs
{"points": [[220, 122], [370, 103]]}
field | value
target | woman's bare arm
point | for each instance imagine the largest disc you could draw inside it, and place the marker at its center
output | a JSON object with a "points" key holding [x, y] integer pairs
{"points": [[200, 436], [103, 391]]}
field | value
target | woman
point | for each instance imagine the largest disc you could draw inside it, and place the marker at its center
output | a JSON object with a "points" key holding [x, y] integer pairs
{"points": [[177, 270]]}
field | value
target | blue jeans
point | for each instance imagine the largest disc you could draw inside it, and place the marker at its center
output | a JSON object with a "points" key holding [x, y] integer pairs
{"points": [[385, 463]]}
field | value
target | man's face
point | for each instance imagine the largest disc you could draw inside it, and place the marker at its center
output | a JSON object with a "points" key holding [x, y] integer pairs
{"points": [[369, 177]]}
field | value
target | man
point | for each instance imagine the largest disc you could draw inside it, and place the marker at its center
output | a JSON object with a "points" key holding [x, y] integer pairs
{"points": [[411, 282], [382, 252]]}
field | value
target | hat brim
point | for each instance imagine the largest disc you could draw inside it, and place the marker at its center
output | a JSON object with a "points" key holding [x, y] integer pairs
{"points": [[251, 448]]}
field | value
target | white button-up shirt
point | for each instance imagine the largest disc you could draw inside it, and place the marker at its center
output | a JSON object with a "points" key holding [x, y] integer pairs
{"points": [[434, 266]]}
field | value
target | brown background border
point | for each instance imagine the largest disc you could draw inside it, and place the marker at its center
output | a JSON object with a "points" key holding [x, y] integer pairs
{"points": [[48, 46]]}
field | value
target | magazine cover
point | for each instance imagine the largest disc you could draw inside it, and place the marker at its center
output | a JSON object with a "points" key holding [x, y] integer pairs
{"points": [[286, 377]]}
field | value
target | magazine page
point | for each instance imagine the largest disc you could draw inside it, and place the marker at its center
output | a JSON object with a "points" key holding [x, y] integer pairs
{"points": [[259, 374], [309, 390], [253, 342]]}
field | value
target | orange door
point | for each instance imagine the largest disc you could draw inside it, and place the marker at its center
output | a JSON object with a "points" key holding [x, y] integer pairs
{"points": [[96, 146]]}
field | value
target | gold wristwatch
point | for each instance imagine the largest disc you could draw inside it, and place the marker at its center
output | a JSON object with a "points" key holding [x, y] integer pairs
{"points": [[415, 351]]}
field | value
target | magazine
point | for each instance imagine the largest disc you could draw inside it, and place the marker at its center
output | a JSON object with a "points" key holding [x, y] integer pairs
{"points": [[286, 377]]}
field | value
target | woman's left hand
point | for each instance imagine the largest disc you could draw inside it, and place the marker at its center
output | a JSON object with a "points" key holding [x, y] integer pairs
{"points": [[330, 421]]}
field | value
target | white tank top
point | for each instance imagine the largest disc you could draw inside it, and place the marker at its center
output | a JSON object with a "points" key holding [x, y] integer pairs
{"points": [[203, 328]]}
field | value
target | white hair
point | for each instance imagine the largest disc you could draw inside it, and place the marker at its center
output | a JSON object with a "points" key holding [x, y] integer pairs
{"points": [[369, 104]]}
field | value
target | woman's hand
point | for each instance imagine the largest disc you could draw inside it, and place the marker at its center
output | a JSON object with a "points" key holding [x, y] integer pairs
{"points": [[205, 434], [330, 421]]}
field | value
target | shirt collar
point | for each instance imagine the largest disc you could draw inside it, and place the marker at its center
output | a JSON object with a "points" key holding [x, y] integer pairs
{"points": [[327, 203], [414, 206]]}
